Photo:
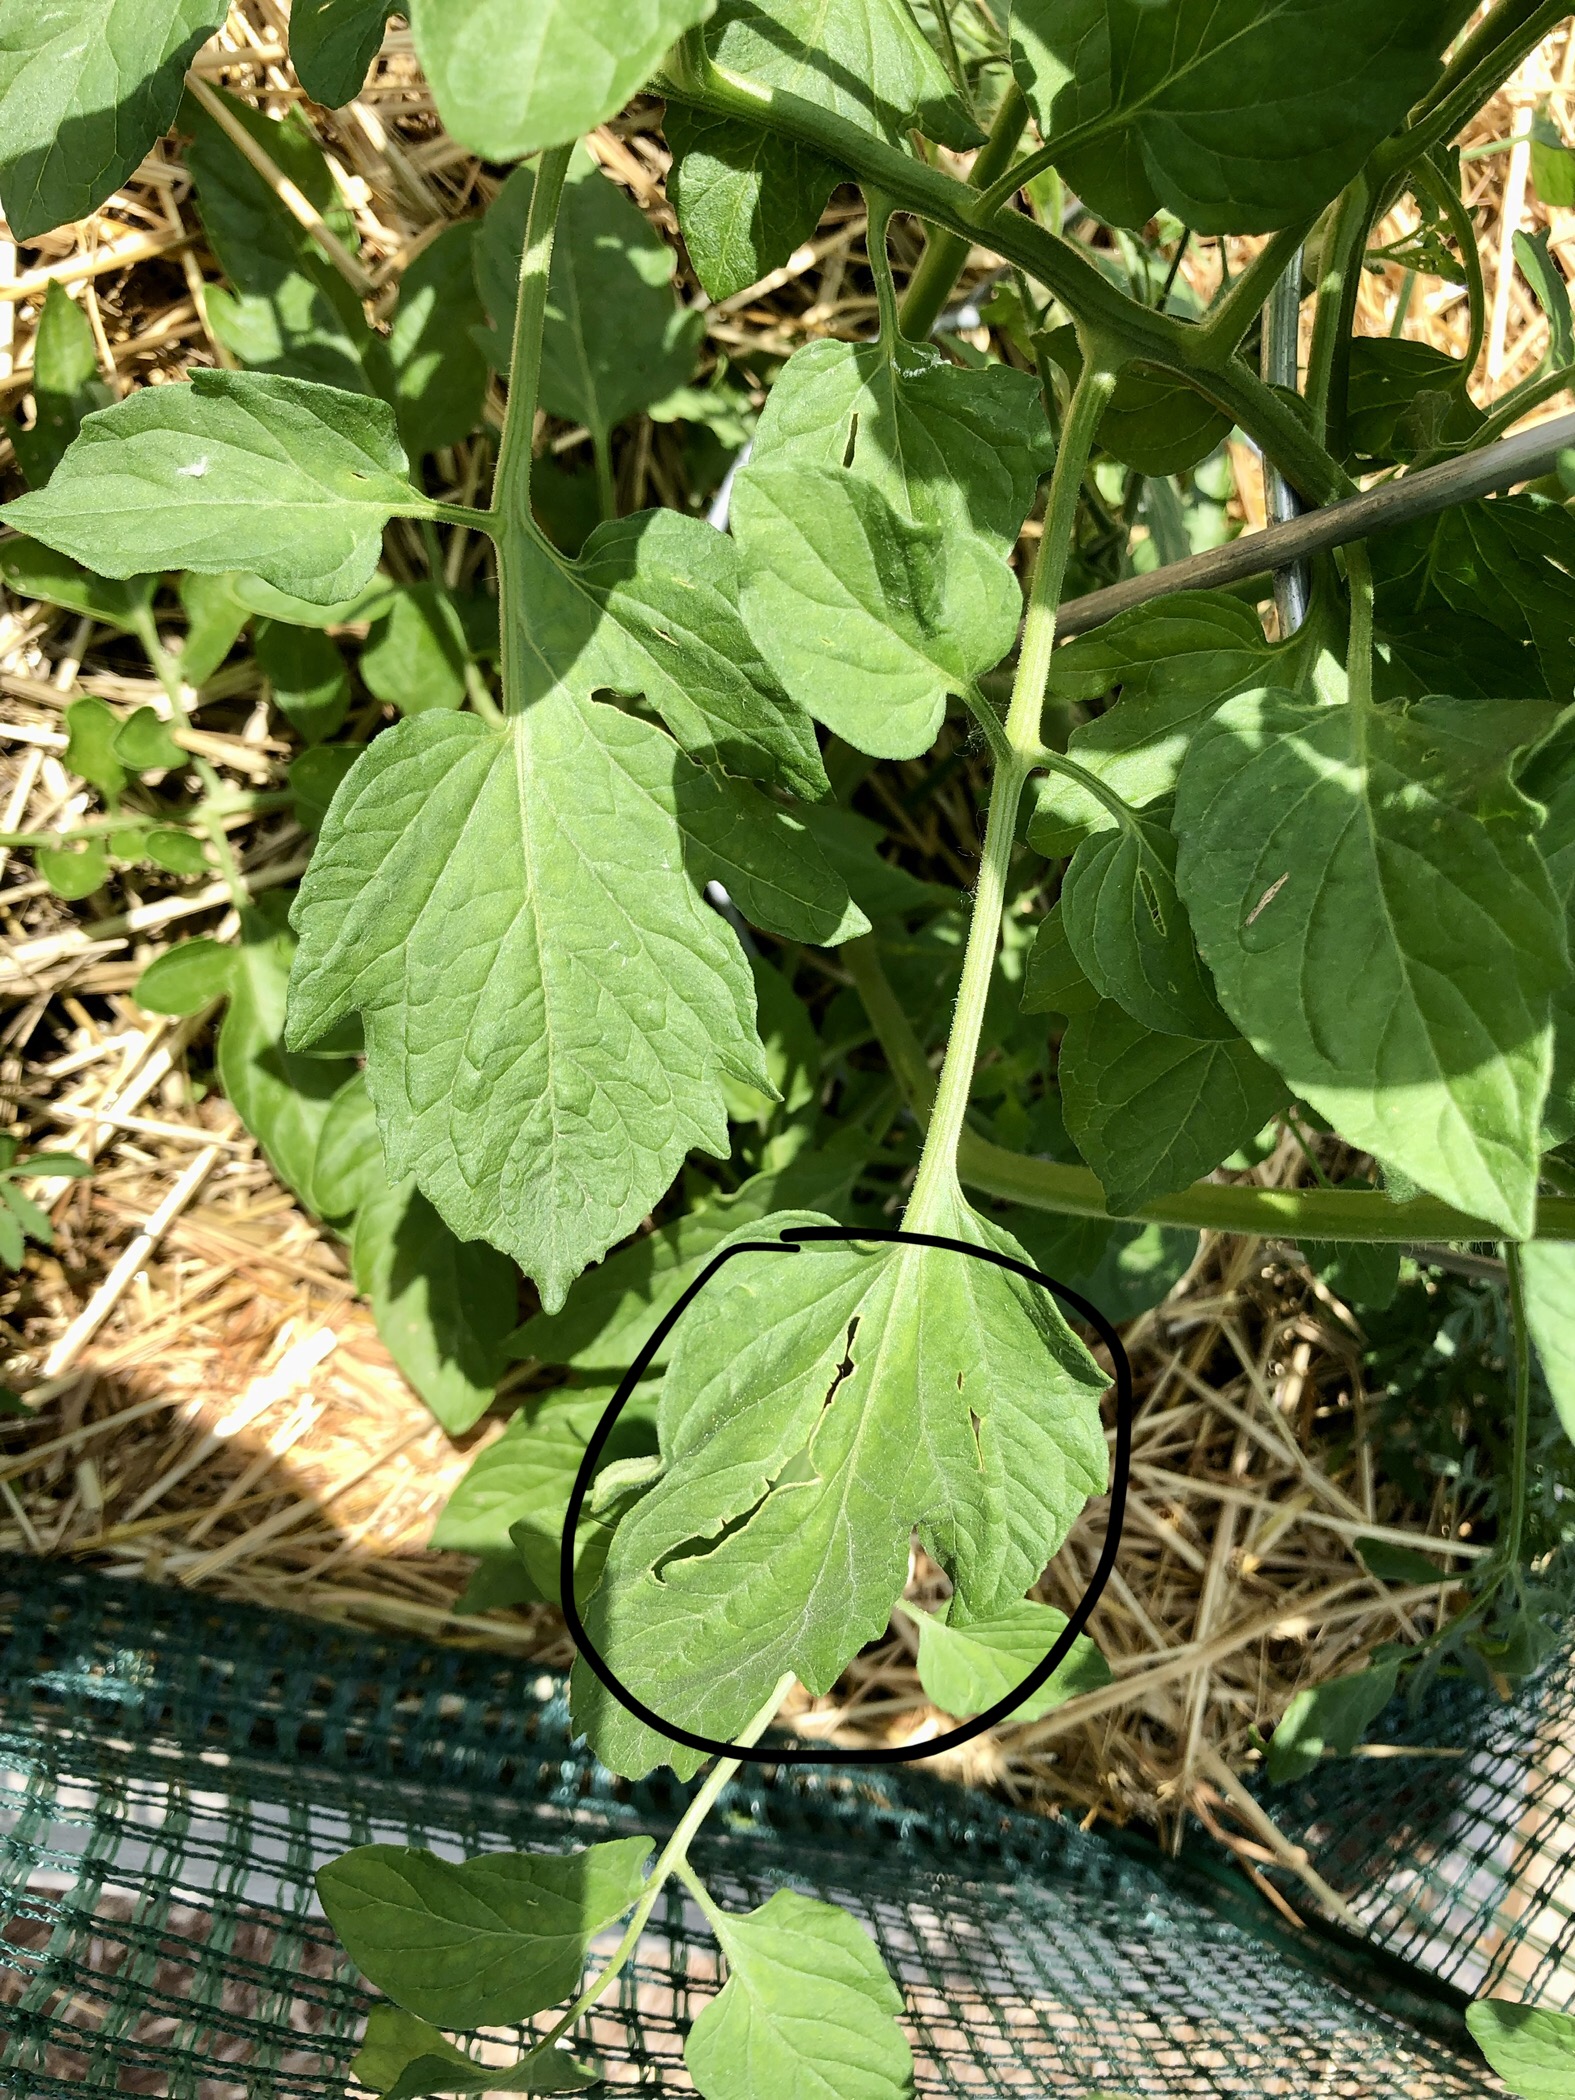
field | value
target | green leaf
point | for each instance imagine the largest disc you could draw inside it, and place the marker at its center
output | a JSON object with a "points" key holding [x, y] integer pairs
{"points": [[1547, 280], [1380, 926], [778, 1537], [865, 61], [1548, 1275], [609, 1314], [1124, 1269], [55, 1165], [868, 619], [1238, 118], [176, 852], [652, 608], [291, 311], [281, 1096], [496, 1939], [231, 469], [415, 655], [316, 777], [968, 1666], [1391, 1563], [306, 676], [1172, 663], [964, 450], [1332, 1716], [404, 2059], [347, 1170], [1404, 398], [143, 743], [262, 598], [1152, 1113], [544, 1044], [215, 617], [1366, 1276], [880, 888], [333, 44], [73, 872], [509, 76], [766, 861], [86, 86], [33, 1221], [793, 1051], [36, 571], [186, 977], [13, 1247], [1531, 2047], [498, 1582], [1552, 162], [91, 731], [807, 2008], [614, 339], [1054, 981], [66, 385], [1153, 422], [439, 368], [745, 198], [1127, 928], [445, 1307]]}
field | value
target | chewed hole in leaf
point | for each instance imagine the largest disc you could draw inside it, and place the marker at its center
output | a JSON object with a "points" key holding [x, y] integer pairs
{"points": [[1150, 897], [853, 439]]}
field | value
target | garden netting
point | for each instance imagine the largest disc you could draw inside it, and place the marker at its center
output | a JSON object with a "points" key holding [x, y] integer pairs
{"points": [[175, 1768]]}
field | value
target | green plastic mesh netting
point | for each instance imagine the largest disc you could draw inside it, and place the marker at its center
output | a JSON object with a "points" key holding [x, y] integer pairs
{"points": [[175, 1769]]}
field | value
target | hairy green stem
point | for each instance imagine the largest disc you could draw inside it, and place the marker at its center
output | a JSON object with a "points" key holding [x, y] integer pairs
{"points": [[1359, 651], [1230, 319], [938, 1163], [876, 237], [1517, 1308], [670, 1860], [606, 487], [941, 264], [1425, 176], [1339, 279]]}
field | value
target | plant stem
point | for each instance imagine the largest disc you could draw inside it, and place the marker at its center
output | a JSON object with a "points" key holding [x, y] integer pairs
{"points": [[669, 1861], [941, 264], [1339, 280], [1483, 63], [606, 487], [511, 520], [1359, 650], [1517, 1308], [938, 1165], [879, 207], [1245, 300]]}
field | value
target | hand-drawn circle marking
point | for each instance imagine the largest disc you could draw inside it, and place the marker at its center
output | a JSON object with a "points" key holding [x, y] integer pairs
{"points": [[793, 1241]]}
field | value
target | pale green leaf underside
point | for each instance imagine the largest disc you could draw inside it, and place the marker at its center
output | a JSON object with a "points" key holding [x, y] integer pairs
{"points": [[1151, 1113], [510, 76], [86, 87], [1385, 947], [497, 1938], [549, 1005], [970, 1412], [745, 198], [867, 618], [333, 43], [1531, 2047], [232, 470], [808, 2011], [403, 2057], [1549, 1272], [967, 1667], [1128, 930]]}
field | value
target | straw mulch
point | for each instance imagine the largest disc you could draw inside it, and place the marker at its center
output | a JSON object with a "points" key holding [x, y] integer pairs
{"points": [[212, 1404]]}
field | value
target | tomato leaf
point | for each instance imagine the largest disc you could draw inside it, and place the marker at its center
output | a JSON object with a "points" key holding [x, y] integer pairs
{"points": [[333, 44], [745, 199], [1531, 2047], [967, 1665]]}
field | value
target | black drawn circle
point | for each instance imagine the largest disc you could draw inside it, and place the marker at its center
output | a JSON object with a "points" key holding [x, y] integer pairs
{"points": [[794, 1240]]}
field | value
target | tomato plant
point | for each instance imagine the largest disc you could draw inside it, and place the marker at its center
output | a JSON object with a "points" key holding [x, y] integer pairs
{"points": [[548, 950]]}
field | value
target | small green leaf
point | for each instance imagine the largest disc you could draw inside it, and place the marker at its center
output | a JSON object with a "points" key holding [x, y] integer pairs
{"points": [[1125, 1269], [1127, 928], [1405, 398], [808, 2007], [1379, 924], [306, 676], [86, 86], [315, 779], [280, 1095], [402, 2058], [963, 450], [55, 1165], [1552, 162], [186, 977], [880, 888], [1054, 981], [440, 370], [12, 1406], [348, 1169], [866, 61], [231, 469], [970, 1412], [1155, 423], [91, 733], [176, 852], [1366, 1276], [494, 1940], [66, 385], [580, 1032], [73, 872], [1153, 1113], [333, 44], [1531, 2047], [415, 656], [968, 1666], [1391, 1563], [33, 1221], [444, 1307], [36, 571], [868, 619], [143, 744], [262, 598], [1332, 1716], [13, 1247], [1548, 1274], [215, 617], [1547, 280], [614, 340], [745, 198]]}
